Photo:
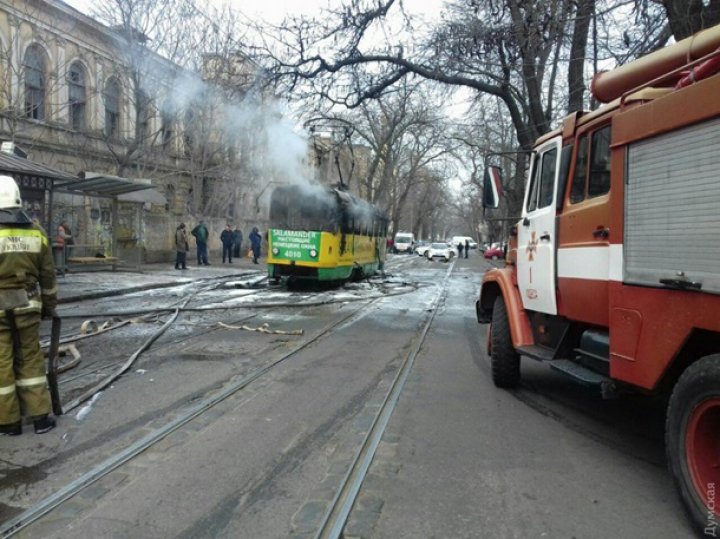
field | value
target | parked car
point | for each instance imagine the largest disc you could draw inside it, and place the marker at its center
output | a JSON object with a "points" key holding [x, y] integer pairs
{"points": [[462, 239], [422, 247], [494, 252], [404, 242], [440, 250]]}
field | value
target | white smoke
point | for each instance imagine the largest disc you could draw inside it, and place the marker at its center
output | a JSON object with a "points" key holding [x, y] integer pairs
{"points": [[280, 153]]}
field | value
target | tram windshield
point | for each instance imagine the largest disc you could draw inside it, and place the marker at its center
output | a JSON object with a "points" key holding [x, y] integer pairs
{"points": [[294, 208]]}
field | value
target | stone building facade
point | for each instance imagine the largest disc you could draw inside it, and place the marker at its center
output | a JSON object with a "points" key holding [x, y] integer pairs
{"points": [[79, 96]]}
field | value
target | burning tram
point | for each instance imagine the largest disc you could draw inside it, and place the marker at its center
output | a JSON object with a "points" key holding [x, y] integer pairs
{"points": [[323, 234]]}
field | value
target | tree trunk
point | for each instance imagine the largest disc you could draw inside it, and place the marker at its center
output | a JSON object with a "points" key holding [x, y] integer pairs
{"points": [[686, 17], [576, 68]]}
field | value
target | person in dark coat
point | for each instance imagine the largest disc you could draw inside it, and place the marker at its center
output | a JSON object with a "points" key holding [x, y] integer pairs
{"points": [[460, 249], [181, 247], [226, 237], [255, 241], [201, 236], [237, 242], [467, 248]]}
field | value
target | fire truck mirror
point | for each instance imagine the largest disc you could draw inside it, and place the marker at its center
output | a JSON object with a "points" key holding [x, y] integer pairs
{"points": [[492, 187]]}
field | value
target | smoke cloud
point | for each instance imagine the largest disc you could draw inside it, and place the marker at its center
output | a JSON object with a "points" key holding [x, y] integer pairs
{"points": [[277, 152]]}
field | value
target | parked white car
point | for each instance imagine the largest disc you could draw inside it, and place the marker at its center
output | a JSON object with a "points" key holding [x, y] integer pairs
{"points": [[422, 248], [440, 250]]}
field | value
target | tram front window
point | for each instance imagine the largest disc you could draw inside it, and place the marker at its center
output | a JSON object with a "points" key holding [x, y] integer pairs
{"points": [[291, 209]]}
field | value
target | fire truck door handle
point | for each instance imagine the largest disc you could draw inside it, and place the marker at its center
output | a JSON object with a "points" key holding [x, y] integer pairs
{"points": [[601, 233], [545, 237]]}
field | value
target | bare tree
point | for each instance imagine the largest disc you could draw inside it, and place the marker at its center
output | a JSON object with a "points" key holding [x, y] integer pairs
{"points": [[505, 48]]}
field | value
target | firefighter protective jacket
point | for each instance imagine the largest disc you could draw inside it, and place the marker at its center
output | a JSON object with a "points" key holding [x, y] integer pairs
{"points": [[26, 262]]}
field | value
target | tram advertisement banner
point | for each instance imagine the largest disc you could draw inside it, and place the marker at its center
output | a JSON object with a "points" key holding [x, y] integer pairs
{"points": [[295, 244]]}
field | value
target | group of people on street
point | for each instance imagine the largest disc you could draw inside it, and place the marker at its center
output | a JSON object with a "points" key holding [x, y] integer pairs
{"points": [[461, 246], [231, 244]]}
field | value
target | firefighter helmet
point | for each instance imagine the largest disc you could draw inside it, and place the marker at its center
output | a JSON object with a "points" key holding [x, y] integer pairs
{"points": [[9, 193]]}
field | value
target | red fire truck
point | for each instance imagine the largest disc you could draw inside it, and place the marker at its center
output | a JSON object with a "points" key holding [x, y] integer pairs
{"points": [[612, 275]]}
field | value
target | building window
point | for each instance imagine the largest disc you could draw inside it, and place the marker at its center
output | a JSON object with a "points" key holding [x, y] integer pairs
{"points": [[35, 82], [167, 131], [78, 97], [143, 116], [188, 138], [166, 127], [169, 196], [112, 109]]}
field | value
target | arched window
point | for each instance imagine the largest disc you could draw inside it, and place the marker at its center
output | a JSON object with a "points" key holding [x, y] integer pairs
{"points": [[78, 96], [188, 136], [169, 196], [35, 82], [112, 108], [166, 128], [144, 115]]}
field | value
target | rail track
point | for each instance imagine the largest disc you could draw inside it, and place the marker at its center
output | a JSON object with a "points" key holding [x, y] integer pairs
{"points": [[122, 319], [335, 518], [350, 488]]}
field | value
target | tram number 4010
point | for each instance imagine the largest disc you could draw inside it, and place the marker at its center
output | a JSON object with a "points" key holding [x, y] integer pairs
{"points": [[293, 254]]}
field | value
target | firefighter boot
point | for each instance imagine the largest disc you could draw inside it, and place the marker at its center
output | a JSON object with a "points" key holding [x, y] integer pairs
{"points": [[43, 424], [13, 429]]}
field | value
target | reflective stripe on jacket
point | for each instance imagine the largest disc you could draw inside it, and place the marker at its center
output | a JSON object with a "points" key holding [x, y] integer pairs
{"points": [[26, 261]]}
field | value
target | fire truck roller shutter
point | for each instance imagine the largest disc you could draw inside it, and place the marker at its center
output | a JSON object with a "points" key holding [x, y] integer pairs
{"points": [[671, 210]]}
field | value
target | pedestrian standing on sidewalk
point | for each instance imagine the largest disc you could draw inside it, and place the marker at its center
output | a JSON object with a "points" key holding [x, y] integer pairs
{"points": [[69, 240], [237, 242], [467, 248], [181, 247], [226, 237], [460, 249], [28, 293], [58, 249], [255, 241], [201, 236]]}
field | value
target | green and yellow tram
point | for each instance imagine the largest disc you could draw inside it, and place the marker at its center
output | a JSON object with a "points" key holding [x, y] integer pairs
{"points": [[324, 234]]}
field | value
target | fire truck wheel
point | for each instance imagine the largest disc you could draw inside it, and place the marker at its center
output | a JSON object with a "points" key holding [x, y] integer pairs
{"points": [[505, 361], [691, 442]]}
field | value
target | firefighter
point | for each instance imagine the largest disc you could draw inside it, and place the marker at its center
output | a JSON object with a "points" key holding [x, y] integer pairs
{"points": [[28, 291]]}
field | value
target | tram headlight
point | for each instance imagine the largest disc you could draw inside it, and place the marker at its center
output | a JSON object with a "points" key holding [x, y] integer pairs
{"points": [[313, 253], [275, 251]]}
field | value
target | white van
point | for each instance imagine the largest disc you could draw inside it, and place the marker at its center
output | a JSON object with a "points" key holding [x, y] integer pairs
{"points": [[461, 239], [404, 242]]}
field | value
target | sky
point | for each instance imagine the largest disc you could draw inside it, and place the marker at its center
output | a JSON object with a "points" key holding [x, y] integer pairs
{"points": [[276, 10]]}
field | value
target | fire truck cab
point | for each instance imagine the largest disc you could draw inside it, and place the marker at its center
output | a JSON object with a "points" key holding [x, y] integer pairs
{"points": [[613, 271]]}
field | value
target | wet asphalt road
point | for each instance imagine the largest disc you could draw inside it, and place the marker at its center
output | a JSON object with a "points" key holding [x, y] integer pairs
{"points": [[460, 458]]}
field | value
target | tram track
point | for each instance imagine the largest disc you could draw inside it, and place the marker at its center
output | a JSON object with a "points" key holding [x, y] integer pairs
{"points": [[37, 511], [191, 412], [338, 513], [143, 316]]}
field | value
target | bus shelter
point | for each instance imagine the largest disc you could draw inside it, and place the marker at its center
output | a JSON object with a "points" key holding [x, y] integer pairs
{"points": [[36, 182], [107, 211]]}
